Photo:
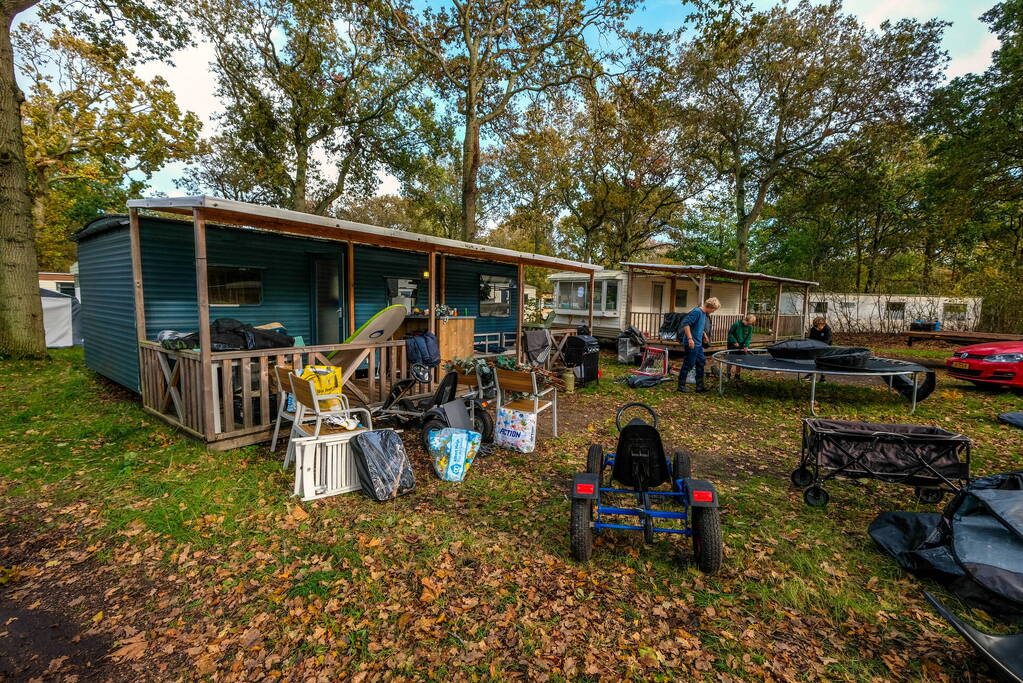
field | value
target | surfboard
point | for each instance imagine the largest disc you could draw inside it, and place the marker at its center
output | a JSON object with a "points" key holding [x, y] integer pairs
{"points": [[379, 328]]}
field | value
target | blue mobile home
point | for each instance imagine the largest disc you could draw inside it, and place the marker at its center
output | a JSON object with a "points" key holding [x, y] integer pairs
{"points": [[321, 278]]}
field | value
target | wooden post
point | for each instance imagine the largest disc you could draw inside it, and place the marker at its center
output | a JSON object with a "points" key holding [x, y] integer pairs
{"points": [[432, 299], [202, 297], [703, 289], [520, 311], [589, 322], [744, 298], [628, 297], [136, 273], [350, 287], [777, 311], [442, 271], [806, 308], [671, 300]]}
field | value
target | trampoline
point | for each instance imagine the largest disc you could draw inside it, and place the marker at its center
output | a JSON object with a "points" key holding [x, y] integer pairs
{"points": [[902, 376]]}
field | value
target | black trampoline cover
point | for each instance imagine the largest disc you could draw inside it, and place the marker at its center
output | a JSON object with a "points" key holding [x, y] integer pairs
{"points": [[797, 349], [1014, 419], [384, 469], [843, 358], [974, 547]]}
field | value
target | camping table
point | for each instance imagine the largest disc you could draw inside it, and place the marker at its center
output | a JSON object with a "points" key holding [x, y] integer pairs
{"points": [[760, 359]]}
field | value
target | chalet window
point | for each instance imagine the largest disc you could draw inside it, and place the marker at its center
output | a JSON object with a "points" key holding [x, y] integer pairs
{"points": [[67, 288], [820, 307], [681, 299], [954, 312], [895, 310], [610, 296], [572, 295], [230, 286], [402, 291], [495, 296]]}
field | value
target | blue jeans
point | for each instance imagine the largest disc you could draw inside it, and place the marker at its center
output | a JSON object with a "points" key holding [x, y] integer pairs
{"points": [[694, 359]]}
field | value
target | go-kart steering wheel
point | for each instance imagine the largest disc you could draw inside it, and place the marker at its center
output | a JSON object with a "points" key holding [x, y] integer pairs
{"points": [[420, 373], [618, 416]]}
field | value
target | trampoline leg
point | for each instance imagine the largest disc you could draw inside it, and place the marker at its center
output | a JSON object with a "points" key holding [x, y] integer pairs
{"points": [[813, 393], [721, 381]]}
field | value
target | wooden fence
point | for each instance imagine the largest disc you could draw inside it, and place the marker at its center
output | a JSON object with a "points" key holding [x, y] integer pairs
{"points": [[242, 401], [788, 325]]}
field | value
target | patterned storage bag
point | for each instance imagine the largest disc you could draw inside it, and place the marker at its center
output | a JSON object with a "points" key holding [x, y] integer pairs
{"points": [[515, 430], [452, 451]]}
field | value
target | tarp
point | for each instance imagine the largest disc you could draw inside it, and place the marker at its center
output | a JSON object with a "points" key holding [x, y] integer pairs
{"points": [[974, 547], [384, 469], [1014, 419], [60, 319]]}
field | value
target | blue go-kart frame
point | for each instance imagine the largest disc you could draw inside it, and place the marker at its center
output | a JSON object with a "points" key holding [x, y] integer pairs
{"points": [[640, 465]]}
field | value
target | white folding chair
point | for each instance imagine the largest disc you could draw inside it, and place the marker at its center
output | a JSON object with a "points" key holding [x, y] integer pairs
{"points": [[310, 413]]}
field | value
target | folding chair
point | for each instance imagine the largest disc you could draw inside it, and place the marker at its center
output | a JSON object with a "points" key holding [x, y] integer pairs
{"points": [[538, 345], [310, 413], [516, 381], [282, 374]]}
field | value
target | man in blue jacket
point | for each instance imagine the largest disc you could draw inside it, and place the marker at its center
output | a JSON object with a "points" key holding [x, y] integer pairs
{"points": [[695, 335]]}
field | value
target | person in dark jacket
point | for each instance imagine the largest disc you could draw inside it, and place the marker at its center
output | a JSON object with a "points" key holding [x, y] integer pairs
{"points": [[696, 334], [820, 331], [740, 336]]}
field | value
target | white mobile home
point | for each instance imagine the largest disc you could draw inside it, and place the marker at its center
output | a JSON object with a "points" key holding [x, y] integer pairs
{"points": [[640, 294], [889, 313]]}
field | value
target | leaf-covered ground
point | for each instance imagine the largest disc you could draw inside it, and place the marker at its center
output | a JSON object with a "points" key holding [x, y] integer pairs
{"points": [[128, 552]]}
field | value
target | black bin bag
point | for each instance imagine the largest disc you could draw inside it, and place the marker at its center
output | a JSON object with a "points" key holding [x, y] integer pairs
{"points": [[384, 469]]}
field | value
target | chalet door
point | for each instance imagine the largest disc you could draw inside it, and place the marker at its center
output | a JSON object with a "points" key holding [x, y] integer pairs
{"points": [[657, 297], [327, 298]]}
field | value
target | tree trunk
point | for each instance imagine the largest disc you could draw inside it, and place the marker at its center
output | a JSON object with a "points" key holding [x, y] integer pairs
{"points": [[299, 200], [470, 175], [742, 223], [21, 311]]}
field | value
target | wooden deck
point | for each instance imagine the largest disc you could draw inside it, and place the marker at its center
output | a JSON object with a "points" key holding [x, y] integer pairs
{"points": [[962, 338]]}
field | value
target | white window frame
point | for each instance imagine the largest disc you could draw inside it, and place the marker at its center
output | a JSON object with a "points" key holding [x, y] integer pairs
{"points": [[599, 295]]}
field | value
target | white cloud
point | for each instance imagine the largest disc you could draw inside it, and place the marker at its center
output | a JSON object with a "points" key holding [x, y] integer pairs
{"points": [[191, 80], [976, 61]]}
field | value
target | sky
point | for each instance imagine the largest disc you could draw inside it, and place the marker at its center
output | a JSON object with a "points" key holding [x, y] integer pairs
{"points": [[967, 41]]}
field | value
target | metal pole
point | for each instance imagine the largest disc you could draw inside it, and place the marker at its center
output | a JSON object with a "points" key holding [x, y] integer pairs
{"points": [[813, 393]]}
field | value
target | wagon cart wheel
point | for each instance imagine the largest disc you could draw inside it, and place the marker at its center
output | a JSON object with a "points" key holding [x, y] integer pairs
{"points": [[431, 424], [929, 495], [595, 460], [707, 544], [801, 477], [816, 497], [681, 466], [581, 531]]}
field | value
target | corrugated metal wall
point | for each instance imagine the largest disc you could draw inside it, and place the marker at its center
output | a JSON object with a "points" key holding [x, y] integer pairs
{"points": [[108, 306]]}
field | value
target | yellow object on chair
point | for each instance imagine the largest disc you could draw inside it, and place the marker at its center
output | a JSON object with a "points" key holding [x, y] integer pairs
{"points": [[327, 380]]}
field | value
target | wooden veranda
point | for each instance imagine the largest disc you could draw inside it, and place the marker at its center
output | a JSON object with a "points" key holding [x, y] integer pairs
{"points": [[228, 398], [770, 326]]}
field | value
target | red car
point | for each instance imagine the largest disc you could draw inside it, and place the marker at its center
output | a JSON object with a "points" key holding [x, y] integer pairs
{"points": [[999, 363]]}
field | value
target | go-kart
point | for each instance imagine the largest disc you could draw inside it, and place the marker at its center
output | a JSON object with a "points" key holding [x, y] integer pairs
{"points": [[640, 464], [443, 408]]}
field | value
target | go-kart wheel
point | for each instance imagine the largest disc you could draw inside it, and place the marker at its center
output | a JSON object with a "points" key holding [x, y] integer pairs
{"points": [[681, 466], [430, 424], [581, 531], [801, 477], [595, 460], [707, 544], [929, 495], [648, 530], [816, 497], [483, 422]]}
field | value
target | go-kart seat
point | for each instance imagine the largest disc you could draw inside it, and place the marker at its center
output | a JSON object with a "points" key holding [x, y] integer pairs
{"points": [[639, 459]]}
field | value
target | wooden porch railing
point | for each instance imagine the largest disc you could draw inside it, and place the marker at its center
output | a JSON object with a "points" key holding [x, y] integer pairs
{"points": [[243, 392], [788, 325]]}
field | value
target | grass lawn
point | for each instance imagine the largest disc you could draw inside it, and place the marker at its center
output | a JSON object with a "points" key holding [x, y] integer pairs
{"points": [[155, 559]]}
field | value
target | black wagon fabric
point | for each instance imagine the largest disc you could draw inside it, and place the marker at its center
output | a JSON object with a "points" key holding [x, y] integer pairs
{"points": [[974, 547], [797, 349], [383, 466], [889, 452]]}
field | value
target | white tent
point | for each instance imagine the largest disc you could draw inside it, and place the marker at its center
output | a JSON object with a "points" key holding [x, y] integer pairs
{"points": [[60, 319]]}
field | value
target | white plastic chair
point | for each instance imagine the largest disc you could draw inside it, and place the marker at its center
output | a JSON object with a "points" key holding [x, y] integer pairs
{"points": [[310, 414]]}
